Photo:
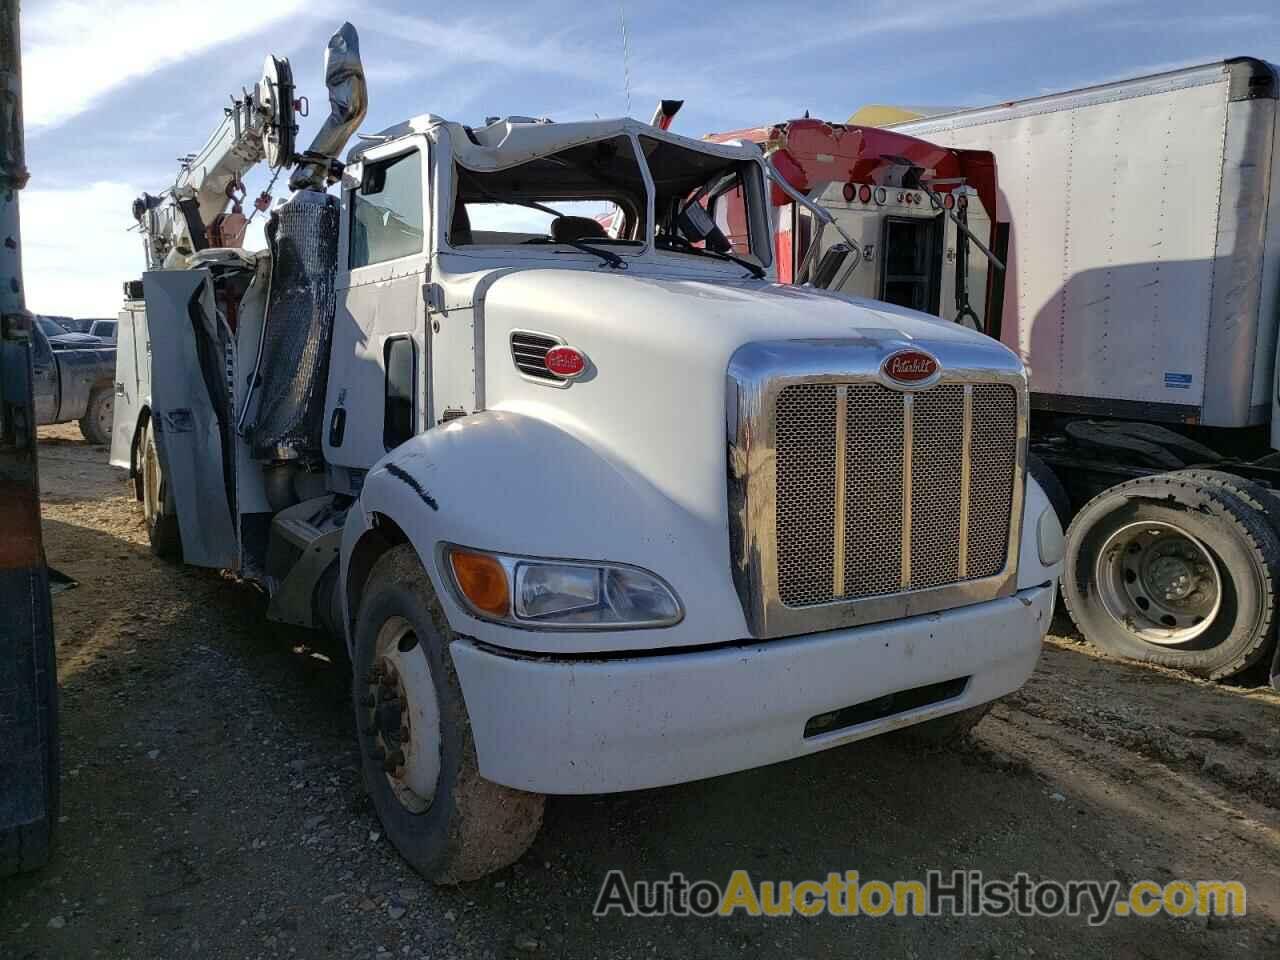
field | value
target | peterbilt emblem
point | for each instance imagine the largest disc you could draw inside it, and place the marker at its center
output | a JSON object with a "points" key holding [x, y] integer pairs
{"points": [[909, 366], [566, 362]]}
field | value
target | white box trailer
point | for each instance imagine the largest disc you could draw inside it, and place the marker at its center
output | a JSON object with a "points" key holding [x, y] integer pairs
{"points": [[1140, 221], [1143, 241]]}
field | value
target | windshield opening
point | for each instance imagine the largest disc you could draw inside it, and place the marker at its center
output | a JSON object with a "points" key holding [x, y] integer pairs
{"points": [[706, 202], [591, 193]]}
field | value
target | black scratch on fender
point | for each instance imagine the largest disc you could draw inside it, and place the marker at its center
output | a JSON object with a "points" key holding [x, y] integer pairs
{"points": [[400, 474]]}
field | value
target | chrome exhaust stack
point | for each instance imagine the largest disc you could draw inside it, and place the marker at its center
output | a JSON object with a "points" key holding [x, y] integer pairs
{"points": [[348, 102]]}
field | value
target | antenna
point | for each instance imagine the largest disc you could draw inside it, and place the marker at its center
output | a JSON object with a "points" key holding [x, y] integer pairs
{"points": [[626, 55]]}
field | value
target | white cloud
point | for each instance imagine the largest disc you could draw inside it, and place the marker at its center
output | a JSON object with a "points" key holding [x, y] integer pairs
{"points": [[76, 251], [75, 52], [513, 46]]}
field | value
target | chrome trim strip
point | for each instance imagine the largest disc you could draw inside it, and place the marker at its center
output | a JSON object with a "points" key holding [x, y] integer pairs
{"points": [[756, 374], [842, 463], [908, 439], [966, 467]]}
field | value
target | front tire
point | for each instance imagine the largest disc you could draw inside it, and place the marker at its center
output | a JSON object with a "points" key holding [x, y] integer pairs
{"points": [[95, 425], [1176, 571], [418, 754]]}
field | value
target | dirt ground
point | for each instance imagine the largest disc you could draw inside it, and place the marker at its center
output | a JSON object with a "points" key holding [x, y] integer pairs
{"points": [[212, 805]]}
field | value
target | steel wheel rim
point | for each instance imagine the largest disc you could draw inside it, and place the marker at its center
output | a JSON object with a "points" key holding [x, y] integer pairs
{"points": [[150, 482], [105, 411], [404, 716], [1159, 582]]}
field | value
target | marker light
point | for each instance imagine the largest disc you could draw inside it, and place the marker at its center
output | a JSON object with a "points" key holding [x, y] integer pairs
{"points": [[864, 193], [849, 190], [482, 581], [963, 202], [881, 195], [948, 200]]}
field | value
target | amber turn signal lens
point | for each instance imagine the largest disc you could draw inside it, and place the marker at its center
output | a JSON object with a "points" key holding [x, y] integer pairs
{"points": [[482, 581]]}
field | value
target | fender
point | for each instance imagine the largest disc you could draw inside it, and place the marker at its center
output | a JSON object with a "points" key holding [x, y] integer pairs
{"points": [[521, 484]]}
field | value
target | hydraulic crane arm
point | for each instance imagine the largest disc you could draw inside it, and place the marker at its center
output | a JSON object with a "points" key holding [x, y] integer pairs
{"points": [[191, 214]]}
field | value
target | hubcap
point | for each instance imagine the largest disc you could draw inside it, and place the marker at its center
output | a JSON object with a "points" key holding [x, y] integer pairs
{"points": [[1159, 582], [403, 716]]}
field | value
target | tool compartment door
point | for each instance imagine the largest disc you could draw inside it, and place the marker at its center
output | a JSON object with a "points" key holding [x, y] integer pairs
{"points": [[132, 358]]}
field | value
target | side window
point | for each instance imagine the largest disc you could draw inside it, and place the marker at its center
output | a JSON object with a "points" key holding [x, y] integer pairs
{"points": [[398, 395], [387, 211]]}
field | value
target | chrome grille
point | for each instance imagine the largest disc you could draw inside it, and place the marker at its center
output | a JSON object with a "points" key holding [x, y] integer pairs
{"points": [[805, 466], [873, 492], [916, 512], [995, 419], [936, 454]]}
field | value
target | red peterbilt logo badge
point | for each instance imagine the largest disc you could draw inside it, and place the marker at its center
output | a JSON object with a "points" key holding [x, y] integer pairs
{"points": [[566, 362], [909, 366]]}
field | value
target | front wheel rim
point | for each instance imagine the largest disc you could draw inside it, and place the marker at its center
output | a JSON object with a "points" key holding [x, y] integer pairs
{"points": [[105, 411], [150, 482], [403, 716], [1159, 582]]}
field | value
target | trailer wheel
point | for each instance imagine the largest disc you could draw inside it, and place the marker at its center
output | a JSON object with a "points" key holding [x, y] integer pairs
{"points": [[158, 507], [944, 731], [418, 754], [1176, 571], [95, 425], [1262, 499]]}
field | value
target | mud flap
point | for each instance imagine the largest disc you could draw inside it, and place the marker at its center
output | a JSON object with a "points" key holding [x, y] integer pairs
{"points": [[187, 430]]}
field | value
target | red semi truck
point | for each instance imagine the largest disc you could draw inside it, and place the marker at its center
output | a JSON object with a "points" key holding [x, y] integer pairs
{"points": [[907, 205]]}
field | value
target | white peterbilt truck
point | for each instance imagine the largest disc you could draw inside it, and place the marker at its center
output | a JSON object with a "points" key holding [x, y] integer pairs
{"points": [[593, 512]]}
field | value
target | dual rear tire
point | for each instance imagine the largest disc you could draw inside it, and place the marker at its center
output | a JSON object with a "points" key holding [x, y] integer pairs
{"points": [[1177, 569]]}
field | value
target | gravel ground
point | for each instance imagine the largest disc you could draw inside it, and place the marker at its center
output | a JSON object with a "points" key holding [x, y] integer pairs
{"points": [[212, 804]]}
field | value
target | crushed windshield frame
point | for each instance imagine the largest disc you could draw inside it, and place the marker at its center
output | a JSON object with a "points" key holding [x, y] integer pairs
{"points": [[469, 182], [645, 241]]}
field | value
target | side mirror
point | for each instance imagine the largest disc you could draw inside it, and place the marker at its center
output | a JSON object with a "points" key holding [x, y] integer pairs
{"points": [[824, 277]]}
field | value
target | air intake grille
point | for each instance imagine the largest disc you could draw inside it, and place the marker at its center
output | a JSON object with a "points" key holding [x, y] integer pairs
{"points": [[529, 351], [927, 488]]}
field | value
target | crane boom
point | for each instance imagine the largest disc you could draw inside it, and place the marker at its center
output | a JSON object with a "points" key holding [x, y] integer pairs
{"points": [[192, 214]]}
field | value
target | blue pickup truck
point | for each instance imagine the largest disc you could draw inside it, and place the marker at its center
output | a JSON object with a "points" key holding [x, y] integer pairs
{"points": [[74, 379]]}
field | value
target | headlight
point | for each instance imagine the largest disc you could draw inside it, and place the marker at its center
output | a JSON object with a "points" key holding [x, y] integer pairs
{"points": [[560, 593]]}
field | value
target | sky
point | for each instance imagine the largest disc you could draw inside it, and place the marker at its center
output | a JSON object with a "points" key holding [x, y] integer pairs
{"points": [[116, 90]]}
